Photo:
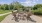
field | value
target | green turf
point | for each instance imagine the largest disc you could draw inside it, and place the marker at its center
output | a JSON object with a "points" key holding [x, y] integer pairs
{"points": [[2, 17], [4, 11]]}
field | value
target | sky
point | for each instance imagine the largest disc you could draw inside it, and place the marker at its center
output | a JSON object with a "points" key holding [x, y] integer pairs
{"points": [[23, 2]]}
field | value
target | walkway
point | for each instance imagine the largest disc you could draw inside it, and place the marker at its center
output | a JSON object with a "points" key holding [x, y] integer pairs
{"points": [[8, 19]]}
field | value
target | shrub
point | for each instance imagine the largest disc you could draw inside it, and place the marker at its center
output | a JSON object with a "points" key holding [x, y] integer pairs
{"points": [[37, 12]]}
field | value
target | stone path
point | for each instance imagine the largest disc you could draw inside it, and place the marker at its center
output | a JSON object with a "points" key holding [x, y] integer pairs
{"points": [[8, 19]]}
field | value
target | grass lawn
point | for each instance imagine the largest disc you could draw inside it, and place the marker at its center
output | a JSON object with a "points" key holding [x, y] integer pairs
{"points": [[2, 17], [4, 11]]}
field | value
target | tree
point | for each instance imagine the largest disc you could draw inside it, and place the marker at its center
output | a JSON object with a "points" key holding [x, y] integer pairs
{"points": [[0, 6], [17, 5], [37, 6], [4, 7], [11, 7]]}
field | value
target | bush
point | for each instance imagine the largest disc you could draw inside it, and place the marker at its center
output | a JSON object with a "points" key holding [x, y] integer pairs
{"points": [[37, 12]]}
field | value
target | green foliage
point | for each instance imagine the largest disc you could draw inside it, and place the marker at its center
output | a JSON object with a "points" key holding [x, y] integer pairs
{"points": [[37, 9], [17, 5], [2, 17], [37, 12], [4, 11], [13, 6], [37, 6]]}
